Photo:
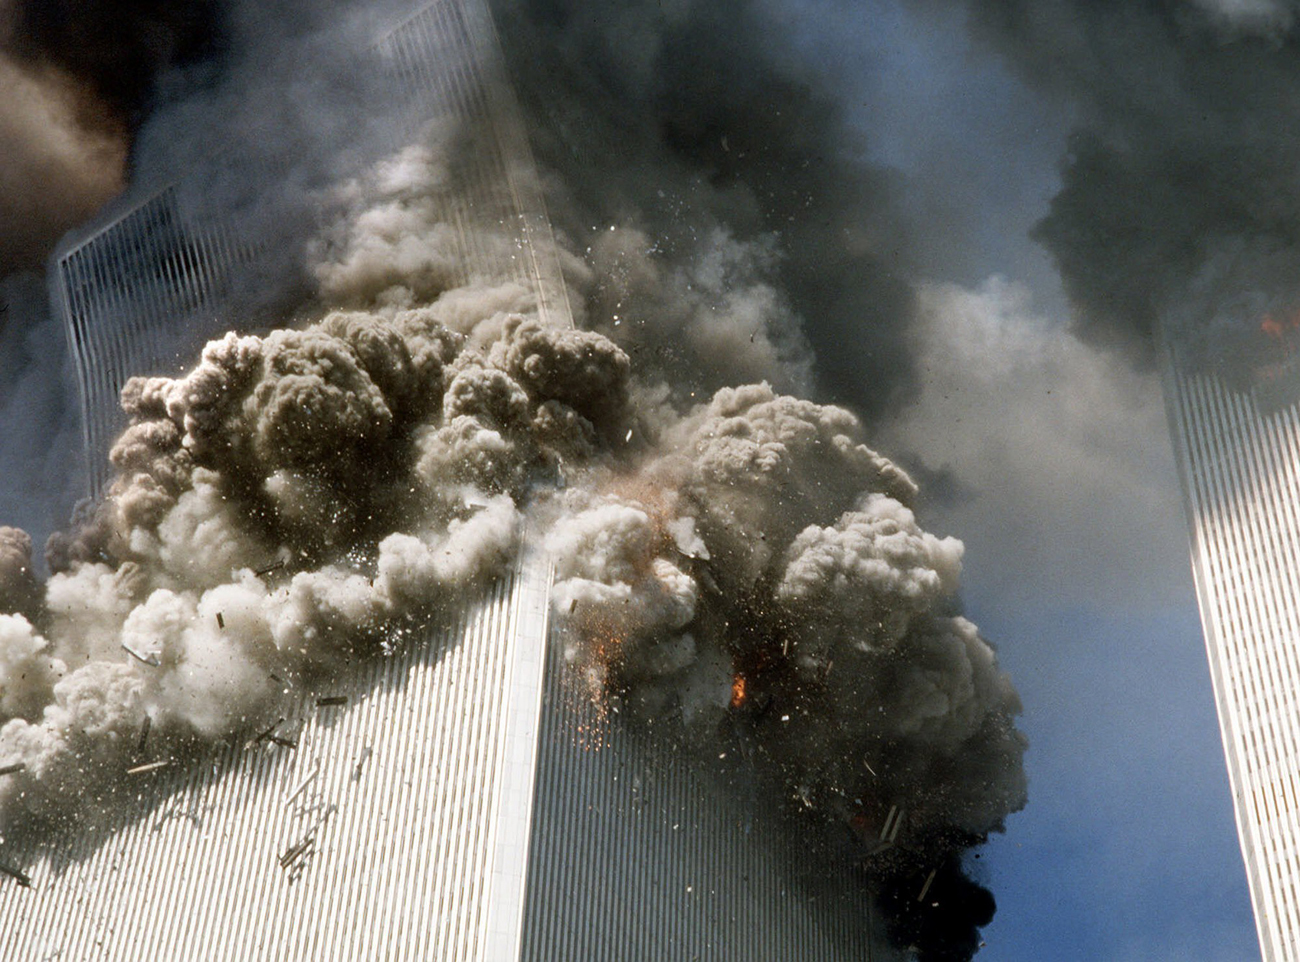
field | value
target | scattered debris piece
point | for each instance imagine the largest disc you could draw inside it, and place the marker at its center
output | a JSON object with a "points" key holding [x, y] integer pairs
{"points": [[302, 786], [13, 769], [18, 875], [296, 851], [221, 622], [269, 735], [330, 700], [152, 661], [929, 880], [149, 767], [361, 761]]}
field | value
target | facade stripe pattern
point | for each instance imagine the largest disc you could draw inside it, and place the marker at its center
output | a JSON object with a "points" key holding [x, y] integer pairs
{"points": [[640, 853], [1240, 467], [372, 839]]}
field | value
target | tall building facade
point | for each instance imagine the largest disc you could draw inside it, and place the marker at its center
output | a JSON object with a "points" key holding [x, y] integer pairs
{"points": [[463, 798], [141, 291], [1238, 450]]}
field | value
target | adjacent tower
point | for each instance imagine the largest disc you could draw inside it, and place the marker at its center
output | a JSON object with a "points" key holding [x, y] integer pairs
{"points": [[1237, 443]]}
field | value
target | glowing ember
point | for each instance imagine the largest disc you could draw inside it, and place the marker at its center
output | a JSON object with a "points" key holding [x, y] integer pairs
{"points": [[738, 691]]}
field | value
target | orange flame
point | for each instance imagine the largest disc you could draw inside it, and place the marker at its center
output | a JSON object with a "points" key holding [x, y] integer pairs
{"points": [[737, 691], [1279, 327]]}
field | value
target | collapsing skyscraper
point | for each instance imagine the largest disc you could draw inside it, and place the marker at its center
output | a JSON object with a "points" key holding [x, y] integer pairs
{"points": [[465, 800], [1237, 444]]}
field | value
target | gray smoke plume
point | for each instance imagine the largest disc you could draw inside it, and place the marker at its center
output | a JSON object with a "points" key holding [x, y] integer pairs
{"points": [[1179, 204], [749, 229]]}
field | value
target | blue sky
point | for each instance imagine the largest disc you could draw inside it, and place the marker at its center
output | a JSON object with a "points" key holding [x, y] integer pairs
{"points": [[1077, 563]]}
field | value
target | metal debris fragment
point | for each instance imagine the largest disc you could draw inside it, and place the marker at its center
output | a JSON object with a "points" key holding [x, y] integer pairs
{"points": [[929, 880], [152, 661], [149, 767], [221, 622], [13, 769], [144, 733], [302, 786], [296, 851], [264, 735], [361, 761], [330, 700], [893, 822], [267, 569], [18, 875]]}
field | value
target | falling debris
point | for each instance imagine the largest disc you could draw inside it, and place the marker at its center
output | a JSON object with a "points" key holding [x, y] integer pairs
{"points": [[302, 786], [269, 735], [19, 876], [144, 734], [152, 660], [267, 569], [894, 821], [150, 767], [221, 622], [929, 880], [13, 769], [329, 701], [361, 761], [296, 852]]}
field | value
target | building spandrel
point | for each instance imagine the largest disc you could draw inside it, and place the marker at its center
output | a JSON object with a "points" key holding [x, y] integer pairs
{"points": [[1237, 443]]}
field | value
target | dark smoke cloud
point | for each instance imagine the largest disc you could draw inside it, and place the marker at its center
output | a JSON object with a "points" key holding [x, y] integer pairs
{"points": [[116, 49], [748, 222], [79, 77], [1179, 203], [59, 165]]}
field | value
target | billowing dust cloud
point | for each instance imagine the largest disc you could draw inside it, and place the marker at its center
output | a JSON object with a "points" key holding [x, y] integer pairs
{"points": [[726, 558], [746, 559]]}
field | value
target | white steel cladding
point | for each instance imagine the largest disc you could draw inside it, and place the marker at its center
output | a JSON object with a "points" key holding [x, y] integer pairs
{"points": [[640, 851], [387, 827], [131, 295], [1239, 457], [447, 62]]}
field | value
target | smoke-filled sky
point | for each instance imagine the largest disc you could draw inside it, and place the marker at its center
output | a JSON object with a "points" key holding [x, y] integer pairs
{"points": [[960, 219]]}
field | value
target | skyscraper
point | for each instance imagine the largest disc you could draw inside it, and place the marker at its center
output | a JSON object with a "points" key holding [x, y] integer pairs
{"points": [[463, 798], [1237, 443], [142, 290]]}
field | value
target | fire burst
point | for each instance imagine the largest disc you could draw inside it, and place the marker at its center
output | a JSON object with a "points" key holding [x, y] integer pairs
{"points": [[737, 691]]}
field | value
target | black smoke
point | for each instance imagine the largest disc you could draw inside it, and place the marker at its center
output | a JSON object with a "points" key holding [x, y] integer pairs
{"points": [[1179, 203], [687, 118]]}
